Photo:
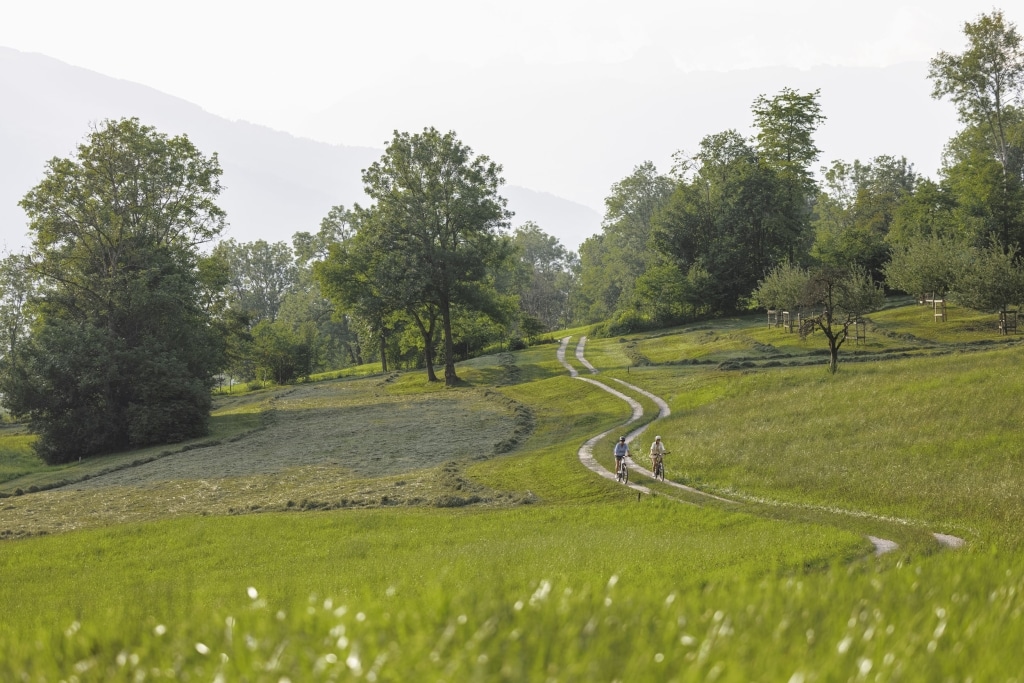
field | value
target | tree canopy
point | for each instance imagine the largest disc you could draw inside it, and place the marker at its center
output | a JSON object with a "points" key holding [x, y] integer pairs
{"points": [[121, 352]]}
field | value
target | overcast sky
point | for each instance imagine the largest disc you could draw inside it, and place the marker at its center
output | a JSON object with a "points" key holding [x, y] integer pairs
{"points": [[280, 64]]}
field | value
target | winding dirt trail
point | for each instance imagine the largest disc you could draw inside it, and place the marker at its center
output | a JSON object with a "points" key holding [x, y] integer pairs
{"points": [[586, 451]]}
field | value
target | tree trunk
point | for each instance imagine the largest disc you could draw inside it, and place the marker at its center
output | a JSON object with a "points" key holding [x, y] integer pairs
{"points": [[383, 351], [450, 378], [427, 332]]}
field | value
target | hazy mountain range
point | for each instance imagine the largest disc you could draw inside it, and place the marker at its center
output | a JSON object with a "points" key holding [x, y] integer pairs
{"points": [[276, 183], [566, 133]]}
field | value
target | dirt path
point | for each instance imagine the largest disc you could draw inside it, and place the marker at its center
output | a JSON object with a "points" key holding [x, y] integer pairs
{"points": [[586, 451]]}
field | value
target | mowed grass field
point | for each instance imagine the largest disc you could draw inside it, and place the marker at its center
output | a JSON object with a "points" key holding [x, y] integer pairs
{"points": [[381, 529]]}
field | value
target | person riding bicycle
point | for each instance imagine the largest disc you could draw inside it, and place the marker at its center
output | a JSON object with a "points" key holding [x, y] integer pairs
{"points": [[657, 453], [621, 451]]}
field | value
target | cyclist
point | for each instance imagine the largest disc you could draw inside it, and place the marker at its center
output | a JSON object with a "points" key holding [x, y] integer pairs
{"points": [[657, 453], [621, 451]]}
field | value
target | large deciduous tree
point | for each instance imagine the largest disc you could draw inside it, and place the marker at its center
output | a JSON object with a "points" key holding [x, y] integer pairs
{"points": [[856, 208], [621, 253], [122, 353], [986, 161], [437, 207]]}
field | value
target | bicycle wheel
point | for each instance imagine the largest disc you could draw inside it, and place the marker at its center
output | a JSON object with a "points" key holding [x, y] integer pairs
{"points": [[625, 474]]}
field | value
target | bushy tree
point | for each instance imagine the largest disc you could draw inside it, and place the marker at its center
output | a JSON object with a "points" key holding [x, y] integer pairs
{"points": [[122, 352], [989, 278], [926, 267]]}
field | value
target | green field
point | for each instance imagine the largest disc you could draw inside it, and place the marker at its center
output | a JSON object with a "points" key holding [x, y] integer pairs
{"points": [[377, 528]]}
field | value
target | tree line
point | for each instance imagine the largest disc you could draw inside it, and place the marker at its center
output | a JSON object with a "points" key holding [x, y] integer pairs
{"points": [[130, 306]]}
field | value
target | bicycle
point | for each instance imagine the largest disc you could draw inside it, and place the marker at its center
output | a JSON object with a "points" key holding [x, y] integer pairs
{"points": [[659, 466], [622, 476]]}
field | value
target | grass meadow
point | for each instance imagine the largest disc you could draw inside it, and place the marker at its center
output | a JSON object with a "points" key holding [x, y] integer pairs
{"points": [[379, 528]]}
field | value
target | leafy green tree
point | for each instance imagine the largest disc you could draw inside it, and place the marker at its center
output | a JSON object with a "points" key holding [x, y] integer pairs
{"points": [[928, 211], [986, 82], [856, 208], [783, 288], [786, 124], [926, 267], [362, 278], [990, 278], [437, 206], [733, 218], [122, 353], [542, 275], [622, 252], [261, 275]]}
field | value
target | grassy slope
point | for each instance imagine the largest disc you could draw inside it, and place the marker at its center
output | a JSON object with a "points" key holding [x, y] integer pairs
{"points": [[563, 587]]}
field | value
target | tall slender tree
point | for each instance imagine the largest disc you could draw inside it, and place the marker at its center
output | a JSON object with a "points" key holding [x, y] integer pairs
{"points": [[986, 83], [437, 206]]}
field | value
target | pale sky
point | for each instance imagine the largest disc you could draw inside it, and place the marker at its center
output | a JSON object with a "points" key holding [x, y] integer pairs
{"points": [[511, 78], [278, 64]]}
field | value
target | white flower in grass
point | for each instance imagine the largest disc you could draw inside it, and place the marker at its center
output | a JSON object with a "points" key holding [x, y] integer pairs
{"points": [[844, 645], [659, 658], [354, 664], [202, 649], [864, 666], [159, 630], [614, 579], [542, 592], [252, 592]]}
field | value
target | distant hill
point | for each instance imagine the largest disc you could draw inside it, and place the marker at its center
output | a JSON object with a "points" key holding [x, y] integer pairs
{"points": [[276, 184]]}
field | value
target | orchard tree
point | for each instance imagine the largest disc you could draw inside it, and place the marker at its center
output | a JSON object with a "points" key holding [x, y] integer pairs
{"points": [[122, 353], [926, 267], [990, 278], [438, 209], [837, 298]]}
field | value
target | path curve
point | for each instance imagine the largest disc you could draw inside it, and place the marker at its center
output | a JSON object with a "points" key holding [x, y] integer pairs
{"points": [[561, 357], [586, 451], [579, 356]]}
